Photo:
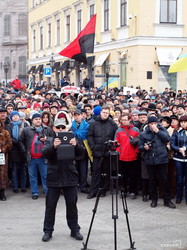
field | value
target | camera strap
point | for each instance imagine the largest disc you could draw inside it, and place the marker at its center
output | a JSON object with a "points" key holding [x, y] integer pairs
{"points": [[127, 133]]}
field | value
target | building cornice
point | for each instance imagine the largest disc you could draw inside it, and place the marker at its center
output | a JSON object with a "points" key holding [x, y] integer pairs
{"points": [[48, 17], [45, 60], [141, 41], [123, 43], [77, 3], [56, 13], [67, 8]]}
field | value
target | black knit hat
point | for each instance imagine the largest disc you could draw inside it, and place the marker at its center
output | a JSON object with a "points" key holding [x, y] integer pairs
{"points": [[3, 109], [36, 116], [151, 106], [175, 117], [152, 119], [180, 106], [167, 119]]}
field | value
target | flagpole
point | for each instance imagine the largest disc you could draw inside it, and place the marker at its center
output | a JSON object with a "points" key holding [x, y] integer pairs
{"points": [[90, 73]]}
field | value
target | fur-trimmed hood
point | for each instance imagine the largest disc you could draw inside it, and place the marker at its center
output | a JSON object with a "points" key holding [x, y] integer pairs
{"points": [[64, 115]]}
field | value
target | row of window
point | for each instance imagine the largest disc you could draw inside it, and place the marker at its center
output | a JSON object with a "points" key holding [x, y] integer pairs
{"points": [[78, 25], [34, 3], [22, 24], [58, 30], [168, 14], [22, 60]]}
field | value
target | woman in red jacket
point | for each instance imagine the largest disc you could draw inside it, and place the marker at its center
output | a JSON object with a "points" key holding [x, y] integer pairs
{"points": [[128, 154]]}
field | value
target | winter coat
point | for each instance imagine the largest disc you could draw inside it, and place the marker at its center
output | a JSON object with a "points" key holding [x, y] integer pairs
{"points": [[127, 151], [7, 125], [27, 136], [61, 173], [157, 154], [99, 132], [170, 151], [16, 84], [5, 146], [87, 83], [179, 140], [15, 153]]}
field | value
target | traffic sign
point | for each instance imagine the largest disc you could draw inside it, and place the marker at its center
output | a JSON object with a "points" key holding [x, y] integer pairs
{"points": [[47, 72]]}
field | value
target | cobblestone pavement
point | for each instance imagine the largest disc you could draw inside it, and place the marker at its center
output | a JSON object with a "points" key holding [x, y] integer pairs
{"points": [[161, 228]]}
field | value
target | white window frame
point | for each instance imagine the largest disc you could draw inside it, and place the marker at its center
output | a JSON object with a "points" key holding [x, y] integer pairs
{"points": [[67, 13], [33, 30], [179, 13], [109, 18], [78, 6], [58, 31], [40, 42], [57, 18]]}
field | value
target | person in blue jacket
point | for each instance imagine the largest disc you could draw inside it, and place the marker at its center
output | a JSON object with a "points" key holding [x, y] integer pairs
{"points": [[153, 145], [179, 146], [80, 130]]}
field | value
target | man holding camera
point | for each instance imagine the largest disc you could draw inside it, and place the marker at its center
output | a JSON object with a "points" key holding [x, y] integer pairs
{"points": [[32, 140], [153, 145], [62, 175]]}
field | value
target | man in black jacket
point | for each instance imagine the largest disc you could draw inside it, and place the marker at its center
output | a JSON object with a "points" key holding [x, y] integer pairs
{"points": [[153, 145], [100, 131], [87, 83], [61, 175]]}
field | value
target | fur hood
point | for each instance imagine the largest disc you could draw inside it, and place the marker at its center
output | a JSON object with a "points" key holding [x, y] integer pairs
{"points": [[64, 115]]}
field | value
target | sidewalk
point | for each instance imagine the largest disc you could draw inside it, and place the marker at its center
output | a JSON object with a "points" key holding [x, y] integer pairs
{"points": [[158, 228]]}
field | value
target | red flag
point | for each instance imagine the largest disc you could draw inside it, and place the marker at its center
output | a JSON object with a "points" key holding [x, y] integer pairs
{"points": [[83, 43]]}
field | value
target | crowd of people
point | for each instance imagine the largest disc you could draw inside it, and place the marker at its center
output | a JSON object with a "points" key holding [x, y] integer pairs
{"points": [[150, 127]]}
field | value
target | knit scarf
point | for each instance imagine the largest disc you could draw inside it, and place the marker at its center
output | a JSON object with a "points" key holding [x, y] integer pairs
{"points": [[38, 130], [80, 131], [15, 129]]}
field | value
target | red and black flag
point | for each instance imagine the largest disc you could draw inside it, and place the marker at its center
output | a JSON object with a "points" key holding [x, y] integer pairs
{"points": [[83, 43]]}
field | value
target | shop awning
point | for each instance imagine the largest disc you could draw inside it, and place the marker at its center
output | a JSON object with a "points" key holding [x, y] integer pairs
{"points": [[39, 68], [31, 70], [101, 59], [56, 66], [166, 56], [90, 61], [64, 66]]}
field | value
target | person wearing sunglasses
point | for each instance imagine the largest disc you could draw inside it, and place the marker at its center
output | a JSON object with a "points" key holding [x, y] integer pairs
{"points": [[62, 175]]}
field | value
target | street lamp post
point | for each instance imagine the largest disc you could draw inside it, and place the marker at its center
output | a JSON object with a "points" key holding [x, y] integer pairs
{"points": [[107, 70], [52, 63], [107, 76], [6, 67]]}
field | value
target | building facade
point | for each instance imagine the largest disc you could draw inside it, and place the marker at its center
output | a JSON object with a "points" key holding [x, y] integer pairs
{"points": [[13, 39], [137, 40]]}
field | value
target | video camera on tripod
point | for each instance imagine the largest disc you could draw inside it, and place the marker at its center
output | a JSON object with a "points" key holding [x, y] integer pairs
{"points": [[112, 145]]}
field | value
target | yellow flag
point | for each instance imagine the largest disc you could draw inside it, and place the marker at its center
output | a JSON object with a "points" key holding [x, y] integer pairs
{"points": [[179, 65], [88, 149]]}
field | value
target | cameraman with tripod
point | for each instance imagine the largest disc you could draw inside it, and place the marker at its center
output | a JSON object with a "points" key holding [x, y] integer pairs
{"points": [[100, 131]]}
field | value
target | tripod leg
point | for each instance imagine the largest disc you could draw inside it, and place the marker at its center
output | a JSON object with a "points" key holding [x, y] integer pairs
{"points": [[125, 209], [114, 188], [92, 220]]}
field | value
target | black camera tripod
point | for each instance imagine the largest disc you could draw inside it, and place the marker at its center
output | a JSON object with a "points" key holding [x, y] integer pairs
{"points": [[114, 189]]}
